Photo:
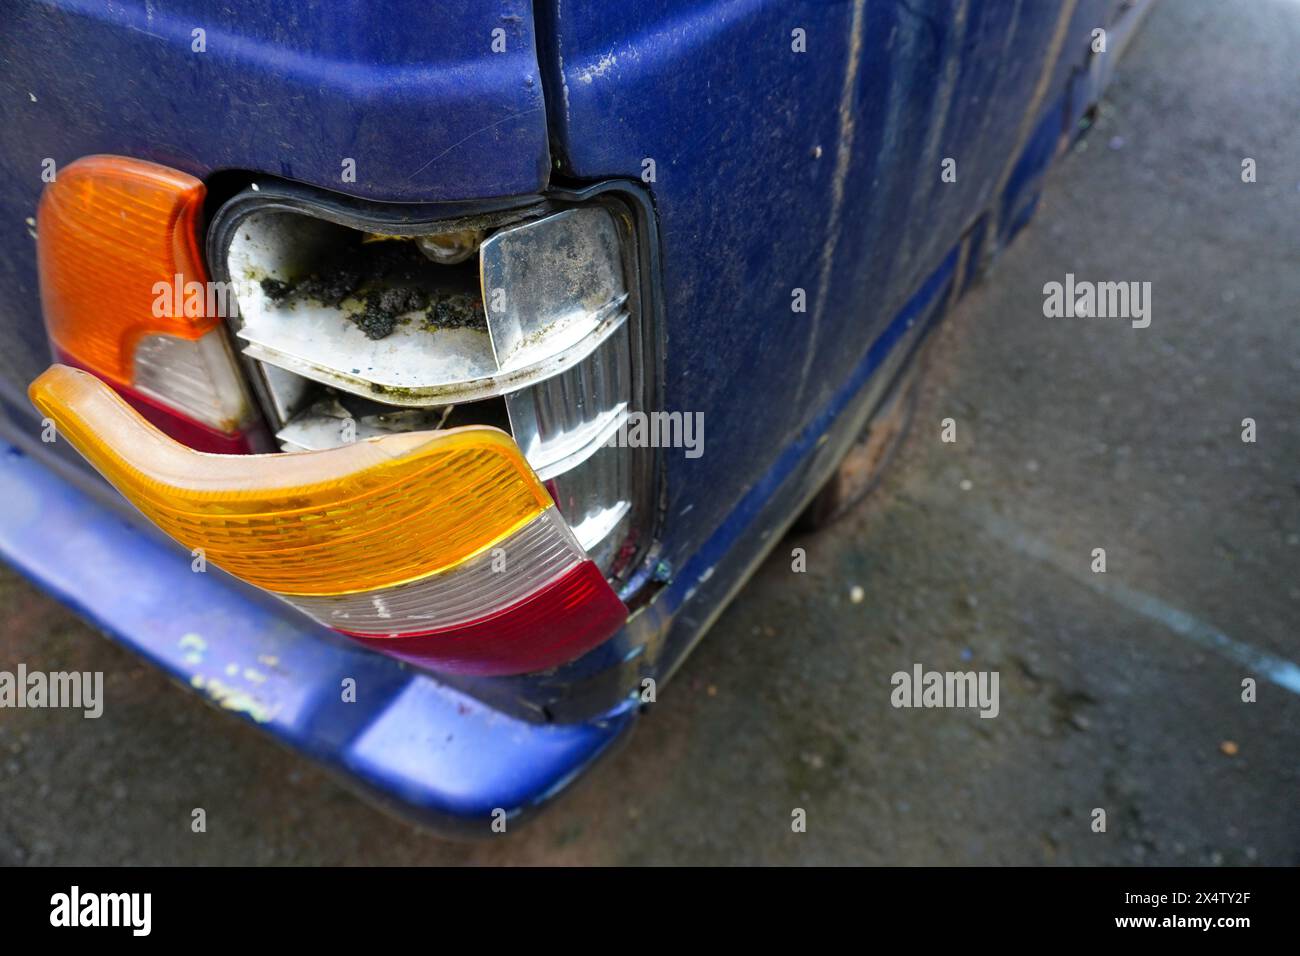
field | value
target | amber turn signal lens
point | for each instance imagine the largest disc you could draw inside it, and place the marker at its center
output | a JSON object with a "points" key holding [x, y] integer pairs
{"points": [[110, 228], [376, 513]]}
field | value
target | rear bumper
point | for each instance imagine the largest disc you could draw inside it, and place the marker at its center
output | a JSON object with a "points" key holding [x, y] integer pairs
{"points": [[420, 748]]}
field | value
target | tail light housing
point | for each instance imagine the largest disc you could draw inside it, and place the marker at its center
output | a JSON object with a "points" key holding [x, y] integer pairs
{"points": [[448, 491], [545, 335]]}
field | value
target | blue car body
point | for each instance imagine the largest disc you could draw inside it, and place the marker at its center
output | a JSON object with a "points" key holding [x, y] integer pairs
{"points": [[793, 145]]}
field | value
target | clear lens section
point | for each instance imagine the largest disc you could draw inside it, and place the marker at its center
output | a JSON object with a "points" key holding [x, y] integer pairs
{"points": [[197, 377], [552, 286], [596, 498], [559, 423], [562, 425], [518, 566]]}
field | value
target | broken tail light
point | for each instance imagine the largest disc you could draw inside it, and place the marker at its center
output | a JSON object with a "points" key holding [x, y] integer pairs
{"points": [[416, 523], [358, 320], [442, 548]]}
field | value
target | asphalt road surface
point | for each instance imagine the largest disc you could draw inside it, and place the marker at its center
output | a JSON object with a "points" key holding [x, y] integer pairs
{"points": [[1120, 691]]}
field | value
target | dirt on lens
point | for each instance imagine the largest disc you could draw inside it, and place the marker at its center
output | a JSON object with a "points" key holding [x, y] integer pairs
{"points": [[390, 280], [459, 310]]}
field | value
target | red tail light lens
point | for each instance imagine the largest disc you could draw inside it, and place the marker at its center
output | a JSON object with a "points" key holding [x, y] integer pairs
{"points": [[559, 622]]}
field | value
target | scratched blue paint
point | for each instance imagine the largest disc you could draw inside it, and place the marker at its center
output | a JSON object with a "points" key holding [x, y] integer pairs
{"points": [[744, 135]]}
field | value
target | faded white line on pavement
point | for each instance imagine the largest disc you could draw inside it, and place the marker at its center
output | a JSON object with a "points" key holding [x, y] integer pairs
{"points": [[1278, 670]]}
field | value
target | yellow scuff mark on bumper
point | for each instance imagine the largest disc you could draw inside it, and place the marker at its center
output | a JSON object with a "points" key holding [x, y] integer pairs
{"points": [[232, 698]]}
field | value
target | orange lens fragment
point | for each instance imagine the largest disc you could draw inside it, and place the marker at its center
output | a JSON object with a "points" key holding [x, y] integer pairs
{"points": [[375, 513], [110, 229]]}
